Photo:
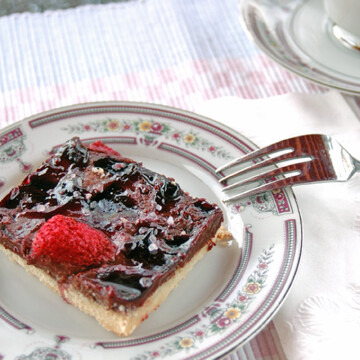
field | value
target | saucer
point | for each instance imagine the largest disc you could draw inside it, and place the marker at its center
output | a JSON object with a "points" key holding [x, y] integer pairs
{"points": [[299, 36]]}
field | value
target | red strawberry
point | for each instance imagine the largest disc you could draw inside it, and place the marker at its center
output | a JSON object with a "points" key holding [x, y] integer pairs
{"points": [[99, 146], [64, 240]]}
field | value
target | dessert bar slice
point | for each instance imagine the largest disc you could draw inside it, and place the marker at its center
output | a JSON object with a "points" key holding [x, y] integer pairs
{"points": [[110, 236]]}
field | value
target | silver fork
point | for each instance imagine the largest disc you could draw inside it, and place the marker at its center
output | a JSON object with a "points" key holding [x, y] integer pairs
{"points": [[299, 160]]}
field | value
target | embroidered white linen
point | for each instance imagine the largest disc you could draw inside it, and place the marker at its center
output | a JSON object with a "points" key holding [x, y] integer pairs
{"points": [[321, 316]]}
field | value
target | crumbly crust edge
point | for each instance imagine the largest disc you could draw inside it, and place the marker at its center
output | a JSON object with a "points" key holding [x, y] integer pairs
{"points": [[122, 323]]}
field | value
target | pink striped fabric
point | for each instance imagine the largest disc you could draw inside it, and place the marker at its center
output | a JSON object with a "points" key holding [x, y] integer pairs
{"points": [[265, 346], [195, 51]]}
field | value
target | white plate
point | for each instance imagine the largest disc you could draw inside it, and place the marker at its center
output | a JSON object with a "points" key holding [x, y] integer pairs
{"points": [[298, 35], [227, 298]]}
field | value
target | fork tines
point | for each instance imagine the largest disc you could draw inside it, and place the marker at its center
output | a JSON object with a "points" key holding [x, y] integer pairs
{"points": [[298, 160], [269, 175]]}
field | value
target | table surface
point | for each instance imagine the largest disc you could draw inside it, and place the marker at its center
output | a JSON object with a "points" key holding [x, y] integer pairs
{"points": [[178, 53]]}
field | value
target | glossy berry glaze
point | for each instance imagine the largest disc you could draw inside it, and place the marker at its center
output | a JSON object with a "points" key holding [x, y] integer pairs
{"points": [[105, 224]]}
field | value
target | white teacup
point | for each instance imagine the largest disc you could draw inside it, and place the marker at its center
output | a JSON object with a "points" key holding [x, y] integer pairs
{"points": [[346, 17]]}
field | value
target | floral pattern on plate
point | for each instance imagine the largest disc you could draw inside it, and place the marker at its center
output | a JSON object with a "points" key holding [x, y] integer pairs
{"points": [[219, 317], [149, 131], [12, 147]]}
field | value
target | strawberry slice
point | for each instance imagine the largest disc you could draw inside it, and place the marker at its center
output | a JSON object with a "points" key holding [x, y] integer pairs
{"points": [[64, 240], [99, 146]]}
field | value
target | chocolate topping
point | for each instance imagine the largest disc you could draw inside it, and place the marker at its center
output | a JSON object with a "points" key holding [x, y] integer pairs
{"points": [[153, 225]]}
